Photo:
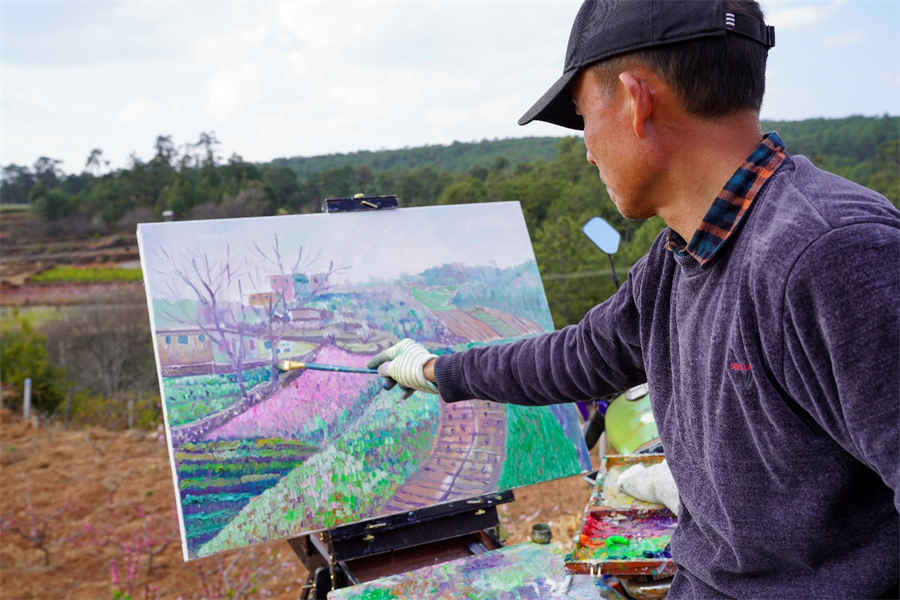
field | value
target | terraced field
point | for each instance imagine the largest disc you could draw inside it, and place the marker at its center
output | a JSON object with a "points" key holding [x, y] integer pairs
{"points": [[218, 478]]}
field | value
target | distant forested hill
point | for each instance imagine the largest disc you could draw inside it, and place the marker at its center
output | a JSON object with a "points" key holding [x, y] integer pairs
{"points": [[837, 144], [863, 149], [455, 157], [557, 188], [851, 139]]}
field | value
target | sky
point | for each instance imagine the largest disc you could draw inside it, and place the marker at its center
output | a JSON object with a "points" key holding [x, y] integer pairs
{"points": [[378, 245], [304, 78]]}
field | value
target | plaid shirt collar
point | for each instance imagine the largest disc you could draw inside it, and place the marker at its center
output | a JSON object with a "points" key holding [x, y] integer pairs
{"points": [[732, 203]]}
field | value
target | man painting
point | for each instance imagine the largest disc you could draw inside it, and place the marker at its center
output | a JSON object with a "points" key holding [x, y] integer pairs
{"points": [[764, 317]]}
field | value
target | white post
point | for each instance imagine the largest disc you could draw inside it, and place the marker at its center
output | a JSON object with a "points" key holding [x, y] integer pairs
{"points": [[26, 403]]}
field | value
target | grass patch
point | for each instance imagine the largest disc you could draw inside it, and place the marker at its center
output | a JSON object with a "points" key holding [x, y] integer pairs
{"points": [[68, 274], [12, 318], [537, 448]]}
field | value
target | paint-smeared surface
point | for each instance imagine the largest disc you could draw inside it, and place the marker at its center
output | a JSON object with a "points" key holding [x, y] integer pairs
{"points": [[625, 535], [526, 571], [622, 535], [260, 455]]}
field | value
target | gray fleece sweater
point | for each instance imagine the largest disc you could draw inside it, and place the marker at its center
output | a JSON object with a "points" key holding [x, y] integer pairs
{"points": [[775, 381]]}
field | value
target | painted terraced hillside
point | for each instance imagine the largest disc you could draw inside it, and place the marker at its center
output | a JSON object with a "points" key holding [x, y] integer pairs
{"points": [[260, 455]]}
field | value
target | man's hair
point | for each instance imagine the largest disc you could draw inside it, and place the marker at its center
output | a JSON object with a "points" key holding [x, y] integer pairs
{"points": [[713, 76]]}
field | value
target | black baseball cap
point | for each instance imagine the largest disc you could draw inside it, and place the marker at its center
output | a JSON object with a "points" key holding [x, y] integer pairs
{"points": [[606, 28]]}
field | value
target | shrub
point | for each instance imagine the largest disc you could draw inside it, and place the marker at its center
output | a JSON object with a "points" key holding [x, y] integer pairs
{"points": [[23, 354]]}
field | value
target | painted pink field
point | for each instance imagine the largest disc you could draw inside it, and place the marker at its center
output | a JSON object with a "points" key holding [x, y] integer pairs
{"points": [[313, 393]]}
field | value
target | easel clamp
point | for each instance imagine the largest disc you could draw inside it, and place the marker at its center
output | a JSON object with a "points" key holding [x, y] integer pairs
{"points": [[358, 203]]}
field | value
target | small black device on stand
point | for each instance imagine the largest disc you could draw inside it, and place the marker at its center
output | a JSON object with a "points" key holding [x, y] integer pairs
{"points": [[364, 551]]}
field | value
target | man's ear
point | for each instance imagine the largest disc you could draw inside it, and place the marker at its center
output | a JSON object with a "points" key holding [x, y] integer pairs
{"points": [[640, 97]]}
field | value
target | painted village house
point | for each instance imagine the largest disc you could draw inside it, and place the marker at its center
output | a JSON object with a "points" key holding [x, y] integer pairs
{"points": [[183, 347], [282, 287], [262, 299]]}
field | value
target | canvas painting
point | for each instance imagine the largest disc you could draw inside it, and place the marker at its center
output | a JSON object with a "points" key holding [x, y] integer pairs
{"points": [[260, 454]]}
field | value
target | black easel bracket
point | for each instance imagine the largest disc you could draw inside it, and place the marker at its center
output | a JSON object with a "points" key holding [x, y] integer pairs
{"points": [[430, 524], [359, 203], [370, 549]]}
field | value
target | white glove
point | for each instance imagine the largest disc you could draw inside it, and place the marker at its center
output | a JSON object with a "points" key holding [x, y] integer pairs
{"points": [[404, 363], [651, 484]]}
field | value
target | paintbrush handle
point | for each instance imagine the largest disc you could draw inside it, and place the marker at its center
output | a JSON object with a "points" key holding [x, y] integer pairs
{"points": [[340, 368], [334, 368]]}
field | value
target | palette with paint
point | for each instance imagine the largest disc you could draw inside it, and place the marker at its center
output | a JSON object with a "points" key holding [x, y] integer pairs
{"points": [[621, 535]]}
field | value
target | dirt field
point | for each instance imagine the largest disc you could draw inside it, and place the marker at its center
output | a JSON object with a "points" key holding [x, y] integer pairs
{"points": [[91, 511], [26, 249]]}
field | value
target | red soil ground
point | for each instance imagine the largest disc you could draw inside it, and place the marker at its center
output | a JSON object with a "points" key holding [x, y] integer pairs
{"points": [[93, 493]]}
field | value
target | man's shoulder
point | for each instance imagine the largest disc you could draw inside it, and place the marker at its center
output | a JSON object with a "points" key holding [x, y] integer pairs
{"points": [[803, 198], [804, 209]]}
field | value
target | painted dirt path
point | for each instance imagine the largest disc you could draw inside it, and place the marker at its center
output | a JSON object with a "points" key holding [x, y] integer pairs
{"points": [[465, 461]]}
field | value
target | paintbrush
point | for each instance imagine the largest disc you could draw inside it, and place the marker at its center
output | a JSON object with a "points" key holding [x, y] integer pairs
{"points": [[293, 365]]}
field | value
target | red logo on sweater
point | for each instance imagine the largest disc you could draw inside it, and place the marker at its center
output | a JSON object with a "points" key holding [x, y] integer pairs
{"points": [[738, 366]]}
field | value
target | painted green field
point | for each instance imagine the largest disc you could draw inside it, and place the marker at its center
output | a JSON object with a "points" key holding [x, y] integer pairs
{"points": [[194, 397], [531, 430], [218, 478], [435, 298], [349, 480]]}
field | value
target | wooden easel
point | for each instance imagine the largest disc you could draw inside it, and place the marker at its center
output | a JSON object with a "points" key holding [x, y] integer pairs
{"points": [[364, 551]]}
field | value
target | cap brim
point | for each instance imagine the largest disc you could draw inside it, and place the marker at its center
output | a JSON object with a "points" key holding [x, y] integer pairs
{"points": [[556, 105]]}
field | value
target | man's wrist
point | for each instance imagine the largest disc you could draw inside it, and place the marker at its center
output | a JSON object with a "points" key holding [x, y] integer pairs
{"points": [[428, 369]]}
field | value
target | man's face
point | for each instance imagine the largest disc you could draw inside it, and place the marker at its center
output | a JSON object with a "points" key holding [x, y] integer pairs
{"points": [[611, 143]]}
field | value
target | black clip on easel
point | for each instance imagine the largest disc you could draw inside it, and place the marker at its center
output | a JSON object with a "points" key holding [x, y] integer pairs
{"points": [[359, 552]]}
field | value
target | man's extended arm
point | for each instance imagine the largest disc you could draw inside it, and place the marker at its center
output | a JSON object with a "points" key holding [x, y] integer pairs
{"points": [[599, 355]]}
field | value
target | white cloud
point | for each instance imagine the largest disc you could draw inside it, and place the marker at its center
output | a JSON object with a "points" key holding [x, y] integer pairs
{"points": [[136, 110], [311, 77], [844, 39], [797, 15], [233, 90], [892, 78]]}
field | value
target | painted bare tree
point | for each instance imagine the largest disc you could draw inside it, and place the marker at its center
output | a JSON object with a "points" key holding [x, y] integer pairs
{"points": [[275, 311], [320, 283], [224, 322]]}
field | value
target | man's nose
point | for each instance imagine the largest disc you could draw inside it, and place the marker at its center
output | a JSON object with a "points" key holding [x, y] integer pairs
{"points": [[589, 158]]}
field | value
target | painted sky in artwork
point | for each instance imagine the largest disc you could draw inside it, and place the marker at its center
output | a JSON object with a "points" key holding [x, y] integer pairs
{"points": [[258, 454], [371, 245]]}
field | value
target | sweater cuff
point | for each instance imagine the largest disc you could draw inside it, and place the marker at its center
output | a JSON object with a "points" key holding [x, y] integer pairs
{"points": [[448, 372]]}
